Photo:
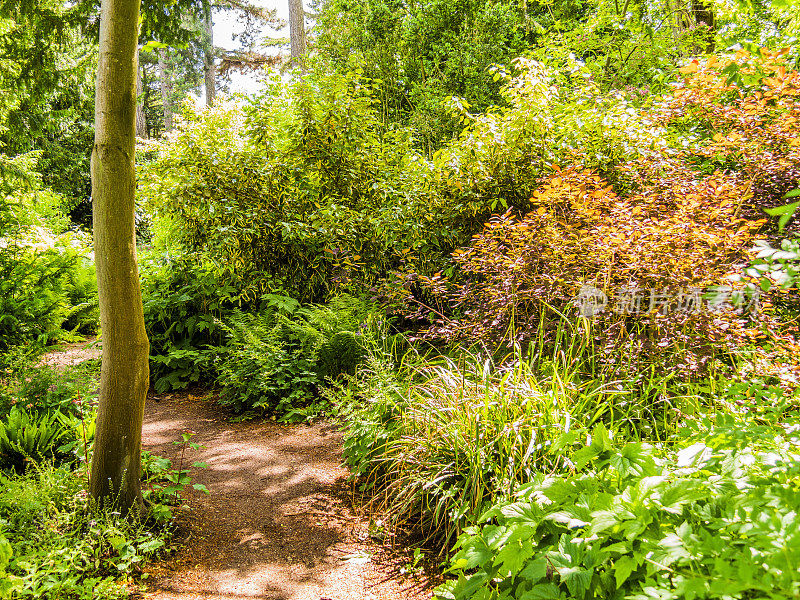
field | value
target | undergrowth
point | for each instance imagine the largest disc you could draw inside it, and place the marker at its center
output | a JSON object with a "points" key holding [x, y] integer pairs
{"points": [[54, 545], [542, 479], [712, 516], [437, 441]]}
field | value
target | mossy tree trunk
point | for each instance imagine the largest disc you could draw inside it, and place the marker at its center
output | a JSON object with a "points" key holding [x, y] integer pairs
{"points": [[124, 379]]}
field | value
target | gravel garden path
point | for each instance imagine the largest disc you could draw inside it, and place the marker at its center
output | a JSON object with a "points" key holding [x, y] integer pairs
{"points": [[278, 524]]}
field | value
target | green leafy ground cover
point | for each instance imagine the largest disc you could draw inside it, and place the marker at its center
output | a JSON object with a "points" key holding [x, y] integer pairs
{"points": [[713, 516]]}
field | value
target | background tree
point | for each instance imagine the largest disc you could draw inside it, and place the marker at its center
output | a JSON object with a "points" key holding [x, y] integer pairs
{"points": [[209, 66], [141, 120], [165, 77], [47, 63], [249, 57], [116, 463], [297, 32]]}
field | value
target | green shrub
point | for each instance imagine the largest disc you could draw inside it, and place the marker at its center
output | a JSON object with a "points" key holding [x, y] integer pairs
{"points": [[277, 361], [303, 193], [42, 389], [260, 369], [164, 485], [714, 518], [340, 354], [300, 193], [39, 262], [61, 549], [81, 288], [194, 312], [33, 295], [348, 328], [182, 300]]}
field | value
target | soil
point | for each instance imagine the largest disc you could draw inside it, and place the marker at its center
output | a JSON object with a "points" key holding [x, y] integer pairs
{"points": [[278, 523]]}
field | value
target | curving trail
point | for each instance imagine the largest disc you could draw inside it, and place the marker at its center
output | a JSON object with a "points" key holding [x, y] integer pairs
{"points": [[277, 524]]}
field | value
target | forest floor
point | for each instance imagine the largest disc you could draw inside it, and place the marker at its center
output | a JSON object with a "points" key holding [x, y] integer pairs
{"points": [[278, 523]]}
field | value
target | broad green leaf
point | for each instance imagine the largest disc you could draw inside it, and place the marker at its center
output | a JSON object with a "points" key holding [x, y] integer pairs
{"points": [[523, 513], [680, 493], [601, 438], [577, 580], [535, 569], [633, 460], [542, 591], [475, 553], [513, 557], [623, 567], [603, 520]]}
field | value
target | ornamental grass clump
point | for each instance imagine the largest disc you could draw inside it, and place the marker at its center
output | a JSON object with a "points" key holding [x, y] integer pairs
{"points": [[437, 444]]}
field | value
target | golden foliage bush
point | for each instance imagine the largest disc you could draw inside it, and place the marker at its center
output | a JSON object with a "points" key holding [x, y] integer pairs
{"points": [[656, 249], [663, 245]]}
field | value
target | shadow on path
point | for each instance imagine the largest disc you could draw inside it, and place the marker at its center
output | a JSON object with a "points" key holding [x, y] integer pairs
{"points": [[277, 524]]}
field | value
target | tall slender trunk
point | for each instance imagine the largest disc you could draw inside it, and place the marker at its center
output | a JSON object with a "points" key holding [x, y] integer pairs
{"points": [[124, 376], [141, 120], [209, 67], [146, 101], [297, 32], [166, 89]]}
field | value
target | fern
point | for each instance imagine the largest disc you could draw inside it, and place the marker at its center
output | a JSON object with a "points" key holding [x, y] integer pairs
{"points": [[276, 362], [341, 353], [24, 437]]}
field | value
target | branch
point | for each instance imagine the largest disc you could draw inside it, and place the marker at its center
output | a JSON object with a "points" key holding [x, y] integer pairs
{"points": [[245, 61]]}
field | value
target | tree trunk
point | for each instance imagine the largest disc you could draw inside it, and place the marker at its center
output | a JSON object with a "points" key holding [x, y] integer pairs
{"points": [[166, 89], [141, 121], [673, 17], [209, 67], [124, 376], [297, 32], [146, 101], [704, 15]]}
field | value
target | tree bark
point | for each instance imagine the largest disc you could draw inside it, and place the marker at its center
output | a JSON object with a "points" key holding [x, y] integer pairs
{"points": [[704, 15], [209, 67], [297, 32], [124, 376], [141, 120], [166, 89]]}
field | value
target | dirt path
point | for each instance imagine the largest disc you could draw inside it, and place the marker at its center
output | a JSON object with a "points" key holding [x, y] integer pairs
{"points": [[277, 524], [69, 355]]}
